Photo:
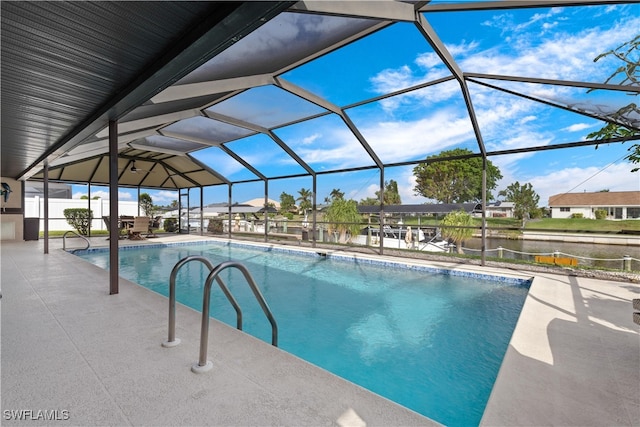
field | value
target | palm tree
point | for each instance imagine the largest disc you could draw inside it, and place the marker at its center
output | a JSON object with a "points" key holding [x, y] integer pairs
{"points": [[335, 194], [305, 201], [343, 217], [457, 226]]}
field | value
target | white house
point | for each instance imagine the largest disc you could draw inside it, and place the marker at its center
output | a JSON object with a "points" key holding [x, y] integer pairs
{"points": [[500, 210], [259, 202], [617, 204]]}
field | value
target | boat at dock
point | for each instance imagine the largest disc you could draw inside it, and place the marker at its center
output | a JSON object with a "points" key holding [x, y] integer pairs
{"points": [[427, 239]]}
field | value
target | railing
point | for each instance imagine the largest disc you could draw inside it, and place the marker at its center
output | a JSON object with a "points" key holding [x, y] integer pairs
{"points": [[624, 262], [431, 242], [203, 364], [64, 241], [172, 341]]}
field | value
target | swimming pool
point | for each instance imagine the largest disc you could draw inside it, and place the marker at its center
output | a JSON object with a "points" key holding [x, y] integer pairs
{"points": [[430, 341]]}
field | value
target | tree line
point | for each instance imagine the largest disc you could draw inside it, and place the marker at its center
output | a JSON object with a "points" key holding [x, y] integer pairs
{"points": [[453, 176]]}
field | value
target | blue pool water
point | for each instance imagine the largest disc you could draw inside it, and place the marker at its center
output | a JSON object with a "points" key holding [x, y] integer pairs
{"points": [[432, 342]]}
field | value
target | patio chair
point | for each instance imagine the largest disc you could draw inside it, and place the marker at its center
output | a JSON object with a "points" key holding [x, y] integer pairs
{"points": [[140, 225], [154, 224], [107, 222], [126, 222]]}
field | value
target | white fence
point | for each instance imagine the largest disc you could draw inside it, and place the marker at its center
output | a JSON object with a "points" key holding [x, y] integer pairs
{"points": [[34, 208]]}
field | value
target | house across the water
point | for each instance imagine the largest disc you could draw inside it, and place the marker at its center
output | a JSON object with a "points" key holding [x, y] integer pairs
{"points": [[617, 204]]}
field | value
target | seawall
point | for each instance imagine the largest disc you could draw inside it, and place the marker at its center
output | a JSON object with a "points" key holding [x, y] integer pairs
{"points": [[602, 239]]}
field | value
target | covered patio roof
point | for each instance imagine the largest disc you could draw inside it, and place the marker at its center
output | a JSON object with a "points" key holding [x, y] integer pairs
{"points": [[139, 168]]}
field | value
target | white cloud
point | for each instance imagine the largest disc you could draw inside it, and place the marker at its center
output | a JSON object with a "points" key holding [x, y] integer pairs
{"points": [[578, 127], [527, 119], [391, 80], [539, 17], [614, 178], [570, 54], [464, 48], [424, 98], [221, 163], [163, 197], [428, 60], [538, 23], [407, 193], [506, 122], [504, 20], [311, 139], [338, 148], [368, 191], [558, 56], [436, 132], [406, 183]]}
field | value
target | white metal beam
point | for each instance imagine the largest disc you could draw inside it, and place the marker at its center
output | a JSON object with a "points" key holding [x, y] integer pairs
{"points": [[395, 11], [156, 149], [203, 141], [441, 50], [304, 94], [63, 160], [154, 121], [192, 90], [122, 140], [236, 122]]}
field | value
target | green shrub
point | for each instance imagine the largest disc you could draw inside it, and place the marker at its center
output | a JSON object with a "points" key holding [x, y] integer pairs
{"points": [[577, 215], [342, 216], [215, 226], [457, 226], [536, 213], [601, 214], [79, 218], [170, 225]]}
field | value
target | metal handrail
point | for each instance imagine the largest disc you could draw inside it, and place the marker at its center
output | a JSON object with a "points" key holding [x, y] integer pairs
{"points": [[64, 241], [203, 364], [172, 341], [214, 273]]}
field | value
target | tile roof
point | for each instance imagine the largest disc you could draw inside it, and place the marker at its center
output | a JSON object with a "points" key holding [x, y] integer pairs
{"points": [[601, 198]]}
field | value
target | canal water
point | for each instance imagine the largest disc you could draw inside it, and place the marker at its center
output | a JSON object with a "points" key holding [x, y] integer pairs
{"points": [[595, 255]]}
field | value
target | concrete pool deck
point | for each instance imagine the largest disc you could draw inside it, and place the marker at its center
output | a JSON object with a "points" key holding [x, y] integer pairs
{"points": [[89, 358]]}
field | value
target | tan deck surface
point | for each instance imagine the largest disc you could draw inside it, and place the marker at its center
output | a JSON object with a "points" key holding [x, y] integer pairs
{"points": [[96, 358]]}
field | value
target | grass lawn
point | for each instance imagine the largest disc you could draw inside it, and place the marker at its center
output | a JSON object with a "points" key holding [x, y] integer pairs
{"points": [[582, 224], [60, 233]]}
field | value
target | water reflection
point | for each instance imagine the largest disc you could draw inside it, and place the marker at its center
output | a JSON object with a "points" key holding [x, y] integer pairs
{"points": [[602, 255]]}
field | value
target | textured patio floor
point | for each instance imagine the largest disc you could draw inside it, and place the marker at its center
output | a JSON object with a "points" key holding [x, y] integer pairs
{"points": [[96, 359]]}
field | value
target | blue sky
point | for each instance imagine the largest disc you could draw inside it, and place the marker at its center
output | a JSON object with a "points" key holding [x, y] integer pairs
{"points": [[551, 43]]}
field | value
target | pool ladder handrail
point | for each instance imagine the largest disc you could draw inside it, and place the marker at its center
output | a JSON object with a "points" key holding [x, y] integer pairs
{"points": [[203, 364], [64, 241]]}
